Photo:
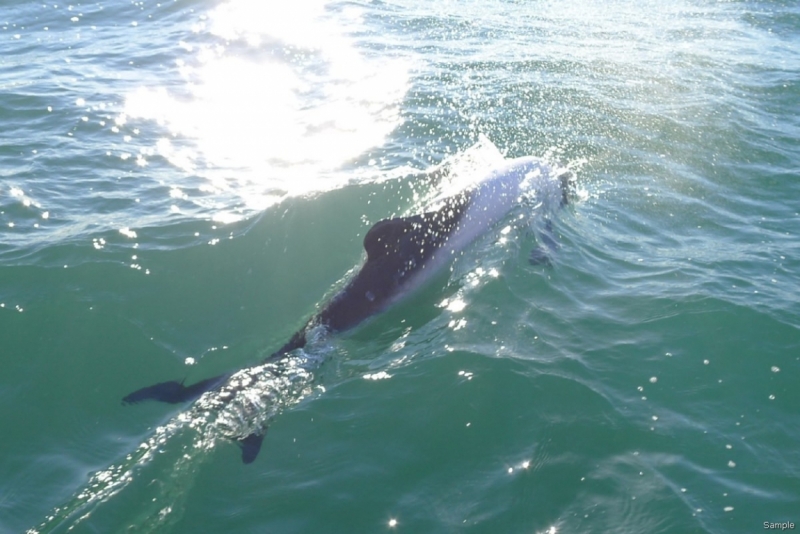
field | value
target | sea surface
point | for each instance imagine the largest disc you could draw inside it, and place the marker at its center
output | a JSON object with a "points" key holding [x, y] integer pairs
{"points": [[183, 183]]}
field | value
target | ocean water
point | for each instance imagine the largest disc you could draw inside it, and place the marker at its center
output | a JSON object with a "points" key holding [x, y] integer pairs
{"points": [[183, 183]]}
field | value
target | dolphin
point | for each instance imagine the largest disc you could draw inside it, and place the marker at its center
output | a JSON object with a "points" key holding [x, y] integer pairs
{"points": [[402, 254]]}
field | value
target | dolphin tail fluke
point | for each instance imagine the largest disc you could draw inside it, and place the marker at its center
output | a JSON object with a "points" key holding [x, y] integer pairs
{"points": [[173, 391], [251, 445]]}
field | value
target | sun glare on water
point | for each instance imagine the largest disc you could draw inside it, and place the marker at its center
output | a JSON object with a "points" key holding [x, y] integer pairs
{"points": [[281, 105]]}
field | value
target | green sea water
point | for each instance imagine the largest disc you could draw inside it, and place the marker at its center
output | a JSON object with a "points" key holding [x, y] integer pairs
{"points": [[184, 183]]}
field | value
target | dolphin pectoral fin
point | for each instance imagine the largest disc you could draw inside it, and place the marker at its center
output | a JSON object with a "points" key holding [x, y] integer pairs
{"points": [[539, 256], [251, 445], [547, 236], [173, 391]]}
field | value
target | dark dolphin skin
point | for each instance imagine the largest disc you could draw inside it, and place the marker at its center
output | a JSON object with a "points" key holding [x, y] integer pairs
{"points": [[397, 249]]}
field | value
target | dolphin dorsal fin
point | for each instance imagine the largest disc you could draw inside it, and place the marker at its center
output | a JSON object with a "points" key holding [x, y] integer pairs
{"points": [[388, 235]]}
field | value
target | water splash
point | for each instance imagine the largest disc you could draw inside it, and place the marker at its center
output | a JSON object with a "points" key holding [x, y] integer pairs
{"points": [[244, 405]]}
